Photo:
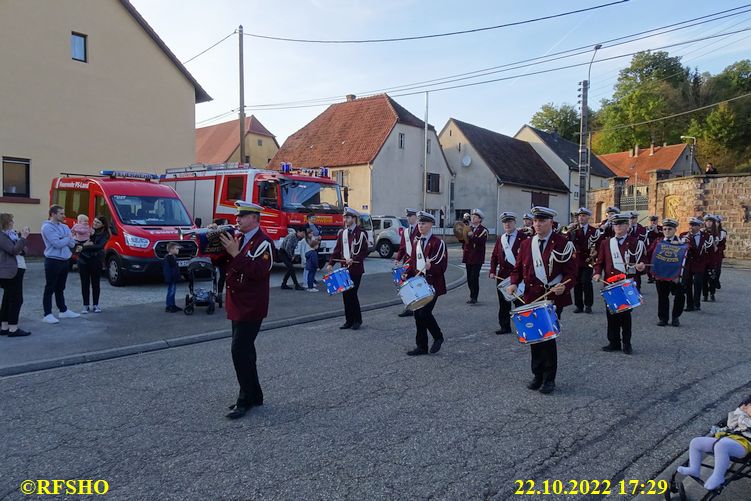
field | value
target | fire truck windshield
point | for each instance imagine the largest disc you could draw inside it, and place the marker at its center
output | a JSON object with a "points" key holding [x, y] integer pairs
{"points": [[309, 196], [150, 211]]}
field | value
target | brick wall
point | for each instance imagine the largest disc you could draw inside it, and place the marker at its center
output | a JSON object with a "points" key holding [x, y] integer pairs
{"points": [[686, 197]]}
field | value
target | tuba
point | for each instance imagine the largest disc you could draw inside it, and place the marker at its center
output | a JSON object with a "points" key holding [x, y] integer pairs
{"points": [[461, 231]]}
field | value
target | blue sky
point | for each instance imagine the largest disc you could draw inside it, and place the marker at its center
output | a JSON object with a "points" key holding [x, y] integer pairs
{"points": [[277, 72]]}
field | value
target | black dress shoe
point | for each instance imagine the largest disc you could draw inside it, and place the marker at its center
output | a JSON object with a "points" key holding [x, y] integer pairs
{"points": [[718, 285], [587, 309], [346, 326], [711, 298], [676, 322], [18, 333], [300, 288], [578, 310], [688, 309], [417, 352], [436, 346], [627, 349], [237, 412], [535, 383], [286, 287], [406, 313], [662, 323], [547, 387], [472, 301], [356, 326], [4, 332], [503, 331], [610, 347], [697, 308]]}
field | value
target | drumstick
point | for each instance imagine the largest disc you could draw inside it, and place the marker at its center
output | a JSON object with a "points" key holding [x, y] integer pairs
{"points": [[546, 294], [513, 294], [344, 261]]}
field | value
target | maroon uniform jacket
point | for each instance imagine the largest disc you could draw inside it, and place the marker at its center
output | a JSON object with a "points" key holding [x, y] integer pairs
{"points": [[607, 232], [697, 256], [723, 240], [474, 247], [358, 245], [638, 231], [653, 234], [498, 264], [581, 243], [248, 279], [435, 250], [525, 270], [410, 233], [604, 264]]}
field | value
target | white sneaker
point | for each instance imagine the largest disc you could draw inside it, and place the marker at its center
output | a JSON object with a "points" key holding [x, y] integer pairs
{"points": [[50, 319], [97, 309], [312, 289], [69, 314]]}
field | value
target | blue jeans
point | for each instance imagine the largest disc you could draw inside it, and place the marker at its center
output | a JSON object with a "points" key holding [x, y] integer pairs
{"points": [[311, 266], [171, 290]]}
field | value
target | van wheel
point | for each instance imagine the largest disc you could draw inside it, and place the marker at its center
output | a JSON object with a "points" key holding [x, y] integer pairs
{"points": [[115, 271], [384, 248]]}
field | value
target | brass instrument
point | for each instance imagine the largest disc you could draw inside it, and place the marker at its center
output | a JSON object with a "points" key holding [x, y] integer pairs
{"points": [[461, 231], [208, 238], [565, 230], [193, 232]]}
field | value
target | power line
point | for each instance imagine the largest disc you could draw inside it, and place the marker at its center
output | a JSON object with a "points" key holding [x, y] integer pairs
{"points": [[216, 117], [617, 127], [519, 64], [209, 48], [434, 35]]}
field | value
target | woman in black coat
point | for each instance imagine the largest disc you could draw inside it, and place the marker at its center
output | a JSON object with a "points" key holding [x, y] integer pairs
{"points": [[12, 269], [91, 261]]}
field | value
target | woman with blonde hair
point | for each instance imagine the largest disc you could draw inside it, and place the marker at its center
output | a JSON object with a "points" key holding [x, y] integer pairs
{"points": [[12, 269]]}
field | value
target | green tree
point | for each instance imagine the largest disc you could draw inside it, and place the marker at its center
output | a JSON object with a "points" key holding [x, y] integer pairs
{"points": [[563, 119]]}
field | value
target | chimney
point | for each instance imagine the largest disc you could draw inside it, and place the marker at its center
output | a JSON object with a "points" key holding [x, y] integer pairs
{"points": [[636, 150], [351, 97], [652, 149]]}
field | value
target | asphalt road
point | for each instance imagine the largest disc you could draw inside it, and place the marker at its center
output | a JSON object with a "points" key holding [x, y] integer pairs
{"points": [[348, 416]]}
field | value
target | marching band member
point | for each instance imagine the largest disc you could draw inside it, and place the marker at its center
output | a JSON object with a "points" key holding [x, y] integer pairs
{"points": [[406, 246], [474, 254], [545, 263], [654, 231], [667, 287], [528, 227], [621, 254], [250, 258], [431, 259], [634, 228], [722, 243], [582, 236], [605, 230], [696, 264], [710, 274], [502, 263], [350, 250]]}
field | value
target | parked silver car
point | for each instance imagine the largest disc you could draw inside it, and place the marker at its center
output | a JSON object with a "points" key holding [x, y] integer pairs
{"points": [[387, 235]]}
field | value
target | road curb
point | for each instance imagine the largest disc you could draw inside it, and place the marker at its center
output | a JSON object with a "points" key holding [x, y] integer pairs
{"points": [[163, 344]]}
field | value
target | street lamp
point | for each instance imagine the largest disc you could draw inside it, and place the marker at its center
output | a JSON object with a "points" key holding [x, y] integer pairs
{"points": [[583, 131], [691, 157]]}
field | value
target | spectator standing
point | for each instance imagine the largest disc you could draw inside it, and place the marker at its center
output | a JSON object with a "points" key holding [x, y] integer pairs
{"points": [[287, 252], [171, 276], [58, 242], [311, 262], [711, 169], [90, 263], [12, 269]]}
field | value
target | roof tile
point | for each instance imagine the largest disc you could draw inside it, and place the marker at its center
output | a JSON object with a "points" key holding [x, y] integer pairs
{"points": [[625, 164], [216, 143]]}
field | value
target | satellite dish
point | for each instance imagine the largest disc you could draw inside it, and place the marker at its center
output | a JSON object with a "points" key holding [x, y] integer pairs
{"points": [[466, 160]]}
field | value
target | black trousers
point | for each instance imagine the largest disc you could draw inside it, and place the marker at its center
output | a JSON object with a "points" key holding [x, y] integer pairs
{"points": [[583, 290], [91, 274], [287, 259], [425, 322], [619, 328], [504, 310], [694, 283], [709, 285], [352, 313], [473, 280], [244, 359], [222, 278], [664, 289], [545, 357], [55, 274], [12, 298]]}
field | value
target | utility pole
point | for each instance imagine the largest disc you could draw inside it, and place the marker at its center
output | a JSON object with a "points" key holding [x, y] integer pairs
{"points": [[583, 134], [242, 99], [425, 159]]}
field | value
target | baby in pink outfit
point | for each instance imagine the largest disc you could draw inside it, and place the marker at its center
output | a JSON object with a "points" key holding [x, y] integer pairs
{"points": [[81, 230]]}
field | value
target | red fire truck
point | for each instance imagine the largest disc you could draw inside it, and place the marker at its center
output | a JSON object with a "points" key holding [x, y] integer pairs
{"points": [[144, 217], [288, 197]]}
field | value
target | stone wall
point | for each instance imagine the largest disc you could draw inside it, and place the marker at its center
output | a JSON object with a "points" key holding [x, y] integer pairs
{"points": [[685, 197]]}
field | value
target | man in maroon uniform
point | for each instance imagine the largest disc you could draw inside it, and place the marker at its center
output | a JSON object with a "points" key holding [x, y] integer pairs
{"points": [[667, 287], [721, 245], [502, 263], [582, 237], [654, 232], [430, 259], [634, 228], [553, 270], [350, 250], [622, 254], [407, 245], [712, 233], [250, 258], [474, 254], [528, 227], [696, 263]]}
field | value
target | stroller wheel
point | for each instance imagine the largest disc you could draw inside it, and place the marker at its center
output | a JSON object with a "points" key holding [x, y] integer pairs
{"points": [[189, 309]]}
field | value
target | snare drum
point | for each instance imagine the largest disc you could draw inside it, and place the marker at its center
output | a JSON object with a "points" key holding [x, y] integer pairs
{"points": [[621, 296], [399, 274], [536, 322], [338, 281], [503, 284], [416, 293]]}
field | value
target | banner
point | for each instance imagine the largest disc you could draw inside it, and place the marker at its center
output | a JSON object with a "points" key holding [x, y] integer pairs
{"points": [[667, 260]]}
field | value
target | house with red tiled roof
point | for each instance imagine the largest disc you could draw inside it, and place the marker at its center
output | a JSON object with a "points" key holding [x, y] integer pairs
{"points": [[376, 149], [635, 164], [220, 143]]}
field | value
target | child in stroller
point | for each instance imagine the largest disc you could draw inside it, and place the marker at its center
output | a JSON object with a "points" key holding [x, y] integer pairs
{"points": [[201, 270]]}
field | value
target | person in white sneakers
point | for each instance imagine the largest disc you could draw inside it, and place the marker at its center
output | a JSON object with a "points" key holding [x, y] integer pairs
{"points": [[58, 242]]}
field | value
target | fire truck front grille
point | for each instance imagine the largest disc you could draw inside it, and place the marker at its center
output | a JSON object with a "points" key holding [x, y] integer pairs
{"points": [[188, 249], [329, 231]]}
